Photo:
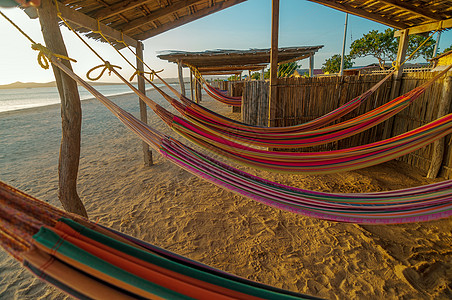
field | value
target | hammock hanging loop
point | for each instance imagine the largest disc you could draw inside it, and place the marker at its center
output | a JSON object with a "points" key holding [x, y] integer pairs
{"points": [[45, 53], [105, 66], [152, 73]]}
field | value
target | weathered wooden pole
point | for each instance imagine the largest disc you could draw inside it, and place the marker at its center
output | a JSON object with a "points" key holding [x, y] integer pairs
{"points": [[438, 145], [397, 78], [198, 92], [273, 94], [311, 65], [181, 77], [191, 83], [147, 154], [71, 113]]}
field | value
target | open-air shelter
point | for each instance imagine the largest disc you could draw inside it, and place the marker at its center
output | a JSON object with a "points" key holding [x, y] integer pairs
{"points": [[133, 21], [220, 62]]}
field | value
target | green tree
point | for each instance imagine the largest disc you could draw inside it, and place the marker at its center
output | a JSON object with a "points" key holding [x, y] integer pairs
{"points": [[256, 75], [333, 64], [447, 49], [233, 78], [426, 51], [383, 46], [287, 69]]}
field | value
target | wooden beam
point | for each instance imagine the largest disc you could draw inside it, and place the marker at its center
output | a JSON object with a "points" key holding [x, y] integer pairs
{"points": [[71, 113], [84, 21], [273, 94], [232, 68], [187, 19], [118, 8], [361, 13], [295, 59], [147, 154], [168, 10], [221, 73], [404, 5], [445, 24]]}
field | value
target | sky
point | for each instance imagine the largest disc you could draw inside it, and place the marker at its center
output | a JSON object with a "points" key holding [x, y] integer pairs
{"points": [[240, 27]]}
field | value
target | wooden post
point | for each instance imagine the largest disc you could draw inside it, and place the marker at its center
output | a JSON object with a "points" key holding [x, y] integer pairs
{"points": [[198, 92], [181, 78], [263, 74], [273, 65], [397, 78], [147, 154], [71, 113], [311, 65], [438, 145], [191, 83]]}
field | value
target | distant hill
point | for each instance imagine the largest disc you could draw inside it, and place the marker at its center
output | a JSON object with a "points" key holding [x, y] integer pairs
{"points": [[29, 85]]}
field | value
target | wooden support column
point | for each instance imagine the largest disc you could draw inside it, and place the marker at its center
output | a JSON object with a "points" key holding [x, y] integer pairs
{"points": [[191, 83], [438, 145], [147, 154], [273, 94], [397, 78], [198, 92], [311, 65], [181, 78], [71, 113], [263, 74]]}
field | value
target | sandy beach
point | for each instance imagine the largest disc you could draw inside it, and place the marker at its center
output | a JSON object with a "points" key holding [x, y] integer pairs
{"points": [[173, 209]]}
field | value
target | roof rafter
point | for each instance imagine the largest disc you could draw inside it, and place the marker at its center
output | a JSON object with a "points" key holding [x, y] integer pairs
{"points": [[359, 12], [157, 14], [186, 19], [407, 6], [87, 22], [118, 8]]}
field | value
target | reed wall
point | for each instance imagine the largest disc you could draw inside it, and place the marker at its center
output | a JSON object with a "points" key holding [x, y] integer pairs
{"points": [[304, 99]]}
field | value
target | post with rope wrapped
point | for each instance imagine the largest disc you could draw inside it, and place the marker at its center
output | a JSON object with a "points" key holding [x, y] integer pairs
{"points": [[71, 113], [397, 78], [438, 145], [147, 153]]}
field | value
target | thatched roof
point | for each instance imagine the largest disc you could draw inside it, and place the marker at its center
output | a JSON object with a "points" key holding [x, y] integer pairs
{"points": [[399, 14], [253, 59], [140, 20]]}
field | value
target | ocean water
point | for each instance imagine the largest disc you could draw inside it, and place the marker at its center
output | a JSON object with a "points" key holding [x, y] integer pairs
{"points": [[15, 99]]}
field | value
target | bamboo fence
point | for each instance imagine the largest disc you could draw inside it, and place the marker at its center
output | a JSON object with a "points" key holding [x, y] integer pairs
{"points": [[304, 99]]}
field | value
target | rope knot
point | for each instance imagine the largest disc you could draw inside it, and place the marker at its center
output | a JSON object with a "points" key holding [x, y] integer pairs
{"points": [[105, 66], [45, 54], [151, 73]]}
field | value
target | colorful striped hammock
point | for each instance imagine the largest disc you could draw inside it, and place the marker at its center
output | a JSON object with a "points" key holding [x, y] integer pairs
{"points": [[402, 206], [209, 118], [88, 261], [220, 95], [304, 162], [213, 125]]}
